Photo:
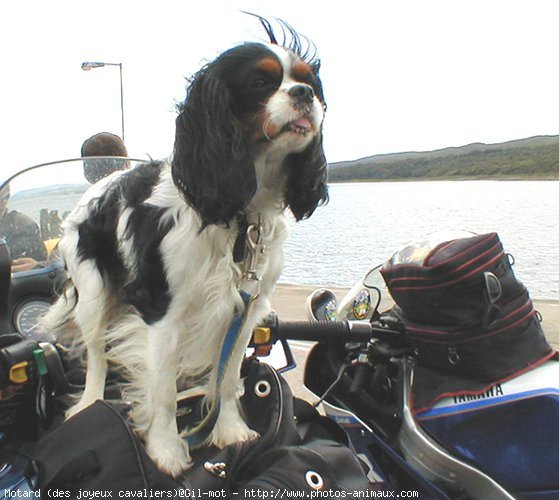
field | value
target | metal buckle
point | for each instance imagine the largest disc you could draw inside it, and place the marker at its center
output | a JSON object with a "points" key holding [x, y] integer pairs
{"points": [[255, 248], [254, 240], [219, 469]]}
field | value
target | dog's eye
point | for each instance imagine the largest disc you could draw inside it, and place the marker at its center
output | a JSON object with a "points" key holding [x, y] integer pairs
{"points": [[259, 83]]}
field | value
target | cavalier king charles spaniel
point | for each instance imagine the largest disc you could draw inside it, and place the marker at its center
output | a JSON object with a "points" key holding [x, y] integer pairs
{"points": [[153, 252]]}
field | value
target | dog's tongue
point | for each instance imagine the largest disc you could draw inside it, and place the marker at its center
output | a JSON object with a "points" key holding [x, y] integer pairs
{"points": [[303, 122]]}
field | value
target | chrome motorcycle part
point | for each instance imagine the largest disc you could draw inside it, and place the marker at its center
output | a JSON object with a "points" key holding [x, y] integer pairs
{"points": [[436, 463]]}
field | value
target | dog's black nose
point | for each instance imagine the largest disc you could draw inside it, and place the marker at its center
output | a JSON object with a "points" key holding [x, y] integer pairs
{"points": [[302, 94]]}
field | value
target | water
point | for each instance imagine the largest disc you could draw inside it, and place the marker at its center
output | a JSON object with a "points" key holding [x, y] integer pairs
{"points": [[364, 223]]}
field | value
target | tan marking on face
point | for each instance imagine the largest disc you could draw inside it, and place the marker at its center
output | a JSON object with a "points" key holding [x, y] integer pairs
{"points": [[302, 72], [270, 65]]}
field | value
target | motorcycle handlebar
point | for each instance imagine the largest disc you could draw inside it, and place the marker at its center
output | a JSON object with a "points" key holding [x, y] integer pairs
{"points": [[333, 331], [324, 331]]}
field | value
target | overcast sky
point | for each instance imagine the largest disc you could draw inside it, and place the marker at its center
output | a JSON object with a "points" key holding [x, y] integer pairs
{"points": [[398, 75]]}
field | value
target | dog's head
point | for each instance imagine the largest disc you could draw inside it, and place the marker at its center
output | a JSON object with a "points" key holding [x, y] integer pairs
{"points": [[254, 99]]}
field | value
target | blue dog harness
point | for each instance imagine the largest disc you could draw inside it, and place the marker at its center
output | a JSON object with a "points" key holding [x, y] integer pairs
{"points": [[249, 290]]}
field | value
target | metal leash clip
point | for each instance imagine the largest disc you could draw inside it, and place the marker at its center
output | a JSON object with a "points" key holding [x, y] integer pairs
{"points": [[255, 248]]}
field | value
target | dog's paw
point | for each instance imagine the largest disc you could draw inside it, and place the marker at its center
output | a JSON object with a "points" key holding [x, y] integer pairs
{"points": [[227, 432], [171, 456]]}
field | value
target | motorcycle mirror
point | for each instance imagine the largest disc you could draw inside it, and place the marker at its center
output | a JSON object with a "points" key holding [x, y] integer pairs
{"points": [[321, 305]]}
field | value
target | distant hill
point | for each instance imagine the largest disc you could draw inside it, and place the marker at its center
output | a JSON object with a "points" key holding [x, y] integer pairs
{"points": [[535, 157]]}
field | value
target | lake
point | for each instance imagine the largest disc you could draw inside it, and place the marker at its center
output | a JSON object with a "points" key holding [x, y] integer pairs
{"points": [[364, 223]]}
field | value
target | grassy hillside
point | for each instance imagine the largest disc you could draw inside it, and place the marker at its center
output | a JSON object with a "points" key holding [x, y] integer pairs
{"points": [[536, 157]]}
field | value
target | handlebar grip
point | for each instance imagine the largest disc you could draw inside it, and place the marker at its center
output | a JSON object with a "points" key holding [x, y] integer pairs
{"points": [[325, 331]]}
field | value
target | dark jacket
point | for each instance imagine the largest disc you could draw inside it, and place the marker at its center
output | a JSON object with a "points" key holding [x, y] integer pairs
{"points": [[22, 236]]}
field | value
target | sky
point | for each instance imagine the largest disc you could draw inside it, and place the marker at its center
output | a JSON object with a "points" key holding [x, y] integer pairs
{"points": [[398, 75]]}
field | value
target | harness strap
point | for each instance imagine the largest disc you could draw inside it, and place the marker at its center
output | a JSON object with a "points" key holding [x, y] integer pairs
{"points": [[252, 237], [199, 434]]}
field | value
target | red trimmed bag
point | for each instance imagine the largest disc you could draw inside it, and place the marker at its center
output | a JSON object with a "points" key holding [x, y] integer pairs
{"points": [[472, 323]]}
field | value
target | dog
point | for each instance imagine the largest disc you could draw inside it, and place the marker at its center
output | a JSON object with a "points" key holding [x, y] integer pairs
{"points": [[150, 252]]}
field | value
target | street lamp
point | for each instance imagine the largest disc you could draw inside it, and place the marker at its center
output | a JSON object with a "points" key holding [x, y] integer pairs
{"points": [[87, 66]]}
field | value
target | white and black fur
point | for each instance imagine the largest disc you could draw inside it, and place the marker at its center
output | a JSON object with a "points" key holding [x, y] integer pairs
{"points": [[150, 251]]}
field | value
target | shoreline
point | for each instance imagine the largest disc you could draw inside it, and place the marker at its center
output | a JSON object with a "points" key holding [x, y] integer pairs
{"points": [[289, 300], [513, 178]]}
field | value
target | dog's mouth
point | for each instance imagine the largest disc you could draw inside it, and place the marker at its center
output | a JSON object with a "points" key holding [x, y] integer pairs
{"points": [[300, 126]]}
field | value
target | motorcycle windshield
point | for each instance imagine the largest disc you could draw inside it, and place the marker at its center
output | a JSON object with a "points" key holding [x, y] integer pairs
{"points": [[416, 252], [35, 202]]}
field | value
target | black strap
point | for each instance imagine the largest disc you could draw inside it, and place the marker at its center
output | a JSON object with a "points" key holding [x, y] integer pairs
{"points": [[239, 248]]}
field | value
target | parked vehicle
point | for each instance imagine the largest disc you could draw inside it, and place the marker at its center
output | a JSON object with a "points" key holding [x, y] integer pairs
{"points": [[367, 366], [499, 440]]}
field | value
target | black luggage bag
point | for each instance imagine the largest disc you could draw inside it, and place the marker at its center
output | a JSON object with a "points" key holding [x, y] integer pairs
{"points": [[470, 320], [297, 451]]}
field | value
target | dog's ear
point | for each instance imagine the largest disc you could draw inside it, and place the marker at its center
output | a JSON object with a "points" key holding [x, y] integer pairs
{"points": [[213, 165], [307, 174]]}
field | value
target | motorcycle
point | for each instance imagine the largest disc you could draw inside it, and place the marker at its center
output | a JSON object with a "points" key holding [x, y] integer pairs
{"points": [[498, 444]]}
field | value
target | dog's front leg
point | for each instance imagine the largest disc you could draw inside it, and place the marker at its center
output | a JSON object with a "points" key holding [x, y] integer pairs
{"points": [[157, 411], [230, 426], [94, 377]]}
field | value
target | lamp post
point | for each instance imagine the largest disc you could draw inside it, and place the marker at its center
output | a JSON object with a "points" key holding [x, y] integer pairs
{"points": [[87, 66]]}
